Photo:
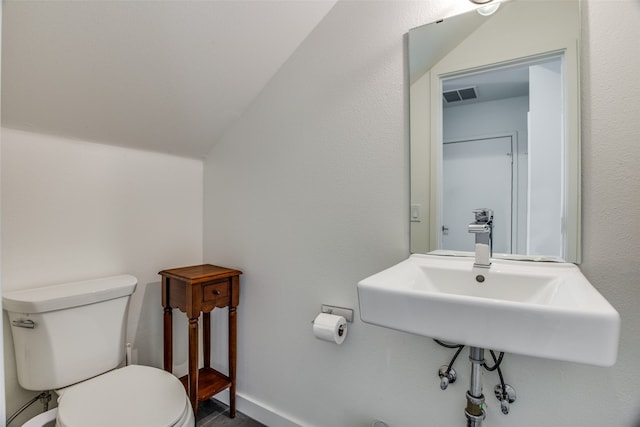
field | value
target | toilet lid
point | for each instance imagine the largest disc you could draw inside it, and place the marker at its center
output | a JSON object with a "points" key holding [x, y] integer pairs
{"points": [[138, 396]]}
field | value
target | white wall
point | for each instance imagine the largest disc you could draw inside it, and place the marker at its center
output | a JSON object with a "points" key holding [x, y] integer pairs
{"points": [[486, 118], [73, 210], [546, 213], [2, 391], [309, 194]]}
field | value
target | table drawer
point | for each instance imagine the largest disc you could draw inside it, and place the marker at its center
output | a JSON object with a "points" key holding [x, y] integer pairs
{"points": [[216, 293]]}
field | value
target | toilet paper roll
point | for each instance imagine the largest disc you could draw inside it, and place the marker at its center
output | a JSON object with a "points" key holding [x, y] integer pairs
{"points": [[329, 327]]}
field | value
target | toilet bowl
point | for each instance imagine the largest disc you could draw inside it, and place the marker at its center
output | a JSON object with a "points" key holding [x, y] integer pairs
{"points": [[70, 338], [136, 396], [133, 396]]}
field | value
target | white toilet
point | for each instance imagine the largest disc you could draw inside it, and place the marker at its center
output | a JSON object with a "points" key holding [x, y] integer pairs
{"points": [[70, 338]]}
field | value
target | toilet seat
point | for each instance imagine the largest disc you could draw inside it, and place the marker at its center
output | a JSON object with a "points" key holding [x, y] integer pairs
{"points": [[135, 395]]}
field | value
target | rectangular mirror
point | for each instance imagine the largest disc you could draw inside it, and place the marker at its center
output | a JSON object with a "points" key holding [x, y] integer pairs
{"points": [[494, 117]]}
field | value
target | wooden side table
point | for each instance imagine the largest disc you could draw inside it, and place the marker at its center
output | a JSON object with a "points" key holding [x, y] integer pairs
{"points": [[194, 290]]}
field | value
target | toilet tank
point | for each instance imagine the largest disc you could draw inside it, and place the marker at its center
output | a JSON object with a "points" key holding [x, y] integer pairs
{"points": [[66, 333]]}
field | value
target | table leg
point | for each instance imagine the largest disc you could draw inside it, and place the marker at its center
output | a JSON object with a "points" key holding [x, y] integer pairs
{"points": [[206, 339], [168, 339], [193, 363], [232, 361]]}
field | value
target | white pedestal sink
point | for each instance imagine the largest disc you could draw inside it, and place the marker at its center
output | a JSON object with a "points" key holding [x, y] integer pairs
{"points": [[541, 309]]}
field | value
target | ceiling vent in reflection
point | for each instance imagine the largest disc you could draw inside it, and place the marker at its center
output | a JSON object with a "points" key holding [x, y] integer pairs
{"points": [[460, 94]]}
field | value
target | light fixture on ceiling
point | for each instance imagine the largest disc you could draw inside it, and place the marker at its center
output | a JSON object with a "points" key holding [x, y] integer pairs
{"points": [[487, 9]]}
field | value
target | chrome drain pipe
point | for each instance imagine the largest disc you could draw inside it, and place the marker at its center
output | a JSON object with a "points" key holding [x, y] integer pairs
{"points": [[475, 399]]}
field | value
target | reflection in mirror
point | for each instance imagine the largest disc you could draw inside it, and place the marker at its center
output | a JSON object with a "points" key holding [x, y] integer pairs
{"points": [[486, 165], [494, 124]]}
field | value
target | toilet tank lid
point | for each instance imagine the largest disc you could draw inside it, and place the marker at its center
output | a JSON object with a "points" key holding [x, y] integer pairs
{"points": [[67, 295]]}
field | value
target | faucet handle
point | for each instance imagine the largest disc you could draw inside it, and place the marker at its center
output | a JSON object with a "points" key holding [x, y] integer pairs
{"points": [[483, 215]]}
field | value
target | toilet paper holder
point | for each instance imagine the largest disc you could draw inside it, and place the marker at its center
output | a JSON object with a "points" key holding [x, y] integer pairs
{"points": [[347, 313]]}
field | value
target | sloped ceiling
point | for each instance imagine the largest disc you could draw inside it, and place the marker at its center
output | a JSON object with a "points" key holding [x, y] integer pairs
{"points": [[167, 76]]}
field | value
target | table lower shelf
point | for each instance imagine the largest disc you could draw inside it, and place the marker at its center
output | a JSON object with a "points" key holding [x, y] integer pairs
{"points": [[210, 383]]}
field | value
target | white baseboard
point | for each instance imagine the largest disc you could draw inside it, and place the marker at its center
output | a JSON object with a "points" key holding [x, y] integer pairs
{"points": [[258, 410]]}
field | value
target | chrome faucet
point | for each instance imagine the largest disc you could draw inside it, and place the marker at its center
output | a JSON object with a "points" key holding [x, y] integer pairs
{"points": [[482, 227]]}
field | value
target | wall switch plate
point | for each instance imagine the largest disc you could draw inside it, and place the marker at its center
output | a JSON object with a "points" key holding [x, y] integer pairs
{"points": [[415, 213]]}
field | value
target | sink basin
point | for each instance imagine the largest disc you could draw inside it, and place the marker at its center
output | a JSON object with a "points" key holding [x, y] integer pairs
{"points": [[540, 309]]}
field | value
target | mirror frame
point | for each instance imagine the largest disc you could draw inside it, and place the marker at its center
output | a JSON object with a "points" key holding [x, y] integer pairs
{"points": [[426, 134]]}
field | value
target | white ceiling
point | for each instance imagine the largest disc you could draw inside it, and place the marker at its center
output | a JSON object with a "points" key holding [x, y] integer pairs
{"points": [[168, 76]]}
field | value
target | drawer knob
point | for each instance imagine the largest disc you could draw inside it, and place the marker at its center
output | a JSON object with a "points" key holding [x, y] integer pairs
{"points": [[216, 292]]}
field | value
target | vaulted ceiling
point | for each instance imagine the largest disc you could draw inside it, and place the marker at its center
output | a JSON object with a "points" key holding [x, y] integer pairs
{"points": [[163, 75]]}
